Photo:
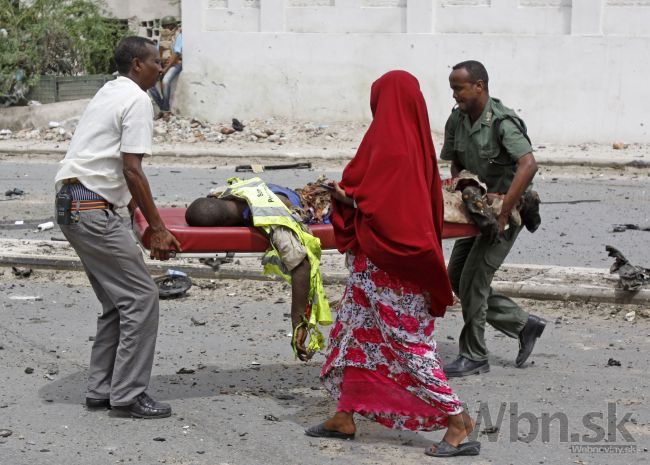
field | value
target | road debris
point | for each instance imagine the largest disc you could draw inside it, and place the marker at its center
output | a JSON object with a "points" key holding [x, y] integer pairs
{"points": [[613, 363], [287, 166], [196, 322], [173, 286], [628, 226], [5, 433], [14, 191], [490, 430], [45, 226], [29, 370], [571, 202], [631, 277], [26, 298], [21, 272], [185, 371]]}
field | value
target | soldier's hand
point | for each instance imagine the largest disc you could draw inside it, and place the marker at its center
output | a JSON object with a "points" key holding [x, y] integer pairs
{"points": [[503, 221]]}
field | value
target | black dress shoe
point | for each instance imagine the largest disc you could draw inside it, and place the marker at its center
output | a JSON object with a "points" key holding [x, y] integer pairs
{"points": [[527, 338], [465, 367], [97, 403], [145, 407]]}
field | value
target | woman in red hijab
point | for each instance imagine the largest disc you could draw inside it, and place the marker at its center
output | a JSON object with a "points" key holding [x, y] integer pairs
{"points": [[387, 214]]}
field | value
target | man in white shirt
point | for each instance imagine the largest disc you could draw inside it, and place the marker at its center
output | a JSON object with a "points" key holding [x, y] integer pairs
{"points": [[101, 171]]}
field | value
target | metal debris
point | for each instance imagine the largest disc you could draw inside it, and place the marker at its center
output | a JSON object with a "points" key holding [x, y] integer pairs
{"points": [[631, 277], [286, 166], [14, 191], [21, 272], [172, 286], [26, 298], [628, 226], [185, 371]]}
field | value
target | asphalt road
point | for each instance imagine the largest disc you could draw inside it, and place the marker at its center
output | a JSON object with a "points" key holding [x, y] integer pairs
{"points": [[245, 401], [580, 205]]}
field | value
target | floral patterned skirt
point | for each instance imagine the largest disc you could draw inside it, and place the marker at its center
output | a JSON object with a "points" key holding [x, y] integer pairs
{"points": [[383, 361]]}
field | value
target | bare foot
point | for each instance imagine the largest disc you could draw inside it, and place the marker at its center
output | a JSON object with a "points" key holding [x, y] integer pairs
{"points": [[343, 422]]}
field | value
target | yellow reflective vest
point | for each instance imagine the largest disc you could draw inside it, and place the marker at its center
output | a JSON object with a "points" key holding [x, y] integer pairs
{"points": [[268, 210]]}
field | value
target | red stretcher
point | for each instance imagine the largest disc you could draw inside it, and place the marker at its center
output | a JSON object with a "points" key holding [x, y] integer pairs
{"points": [[197, 241]]}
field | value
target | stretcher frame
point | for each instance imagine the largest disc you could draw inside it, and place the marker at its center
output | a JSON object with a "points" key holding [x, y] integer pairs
{"points": [[214, 242]]}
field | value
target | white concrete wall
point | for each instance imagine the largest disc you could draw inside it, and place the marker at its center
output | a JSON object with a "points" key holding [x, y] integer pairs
{"points": [[574, 69], [142, 10]]}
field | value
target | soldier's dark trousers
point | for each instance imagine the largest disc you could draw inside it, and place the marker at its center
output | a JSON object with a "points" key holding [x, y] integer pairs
{"points": [[472, 265]]}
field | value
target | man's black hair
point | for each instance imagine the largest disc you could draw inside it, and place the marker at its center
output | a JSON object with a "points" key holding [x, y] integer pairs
{"points": [[208, 211], [129, 48], [476, 71]]}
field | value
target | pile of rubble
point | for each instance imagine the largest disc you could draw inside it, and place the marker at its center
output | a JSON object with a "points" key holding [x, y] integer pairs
{"points": [[178, 129], [55, 131], [270, 131]]}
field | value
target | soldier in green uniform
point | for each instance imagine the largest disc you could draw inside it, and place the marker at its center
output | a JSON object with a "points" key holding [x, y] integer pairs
{"points": [[488, 139]]}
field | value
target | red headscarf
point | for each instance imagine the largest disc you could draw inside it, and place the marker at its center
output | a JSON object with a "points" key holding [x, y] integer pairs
{"points": [[394, 181]]}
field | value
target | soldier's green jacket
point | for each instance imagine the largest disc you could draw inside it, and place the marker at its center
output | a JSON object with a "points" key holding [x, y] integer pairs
{"points": [[486, 149]]}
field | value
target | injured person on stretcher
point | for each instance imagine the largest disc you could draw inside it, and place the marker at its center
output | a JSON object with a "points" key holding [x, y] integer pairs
{"points": [[467, 201], [294, 254]]}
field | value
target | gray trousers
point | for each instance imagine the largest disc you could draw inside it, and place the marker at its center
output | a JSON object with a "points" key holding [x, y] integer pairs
{"points": [[122, 354], [472, 265]]}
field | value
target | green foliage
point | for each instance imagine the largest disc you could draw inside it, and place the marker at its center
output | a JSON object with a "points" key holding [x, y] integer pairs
{"points": [[62, 37]]}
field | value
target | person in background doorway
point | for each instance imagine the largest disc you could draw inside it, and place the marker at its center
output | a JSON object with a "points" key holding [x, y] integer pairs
{"points": [[171, 55]]}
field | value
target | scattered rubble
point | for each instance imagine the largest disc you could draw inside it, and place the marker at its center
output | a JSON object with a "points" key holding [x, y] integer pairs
{"points": [[172, 285], [45, 226], [21, 272], [14, 191], [631, 277], [179, 129], [629, 227], [185, 371]]}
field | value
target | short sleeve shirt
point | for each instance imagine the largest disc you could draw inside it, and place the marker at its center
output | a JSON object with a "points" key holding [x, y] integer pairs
{"points": [[118, 119], [479, 149], [178, 44]]}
